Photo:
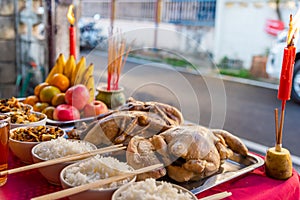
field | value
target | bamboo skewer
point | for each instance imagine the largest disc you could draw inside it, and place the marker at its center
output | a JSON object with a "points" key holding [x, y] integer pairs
{"points": [[64, 159], [96, 184], [279, 137], [276, 123], [217, 196]]}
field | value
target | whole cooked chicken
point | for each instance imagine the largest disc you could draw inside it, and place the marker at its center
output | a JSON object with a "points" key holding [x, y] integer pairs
{"points": [[189, 153]]}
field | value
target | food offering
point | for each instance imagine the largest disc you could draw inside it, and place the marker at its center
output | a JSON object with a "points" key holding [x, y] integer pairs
{"points": [[36, 134], [13, 105], [23, 139], [22, 119], [68, 88], [152, 189], [58, 148], [94, 169], [190, 153]]}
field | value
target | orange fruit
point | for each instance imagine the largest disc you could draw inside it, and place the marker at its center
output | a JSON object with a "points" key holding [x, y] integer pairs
{"points": [[31, 100], [48, 92], [39, 87], [58, 99], [49, 111], [60, 81], [39, 106]]}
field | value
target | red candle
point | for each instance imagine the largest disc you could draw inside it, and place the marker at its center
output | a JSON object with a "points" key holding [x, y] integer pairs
{"points": [[284, 91], [72, 33]]}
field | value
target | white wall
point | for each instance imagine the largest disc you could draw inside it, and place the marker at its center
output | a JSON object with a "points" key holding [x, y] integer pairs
{"points": [[239, 28]]}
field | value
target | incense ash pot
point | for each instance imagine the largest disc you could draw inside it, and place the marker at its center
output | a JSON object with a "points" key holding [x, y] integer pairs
{"points": [[278, 164], [112, 98]]}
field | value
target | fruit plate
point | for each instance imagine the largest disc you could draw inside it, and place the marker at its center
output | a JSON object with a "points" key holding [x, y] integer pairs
{"points": [[72, 123], [233, 167]]}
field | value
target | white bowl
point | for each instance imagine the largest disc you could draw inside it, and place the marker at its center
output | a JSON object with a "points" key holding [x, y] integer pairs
{"points": [[92, 194], [52, 172], [127, 187], [18, 107], [4, 117], [41, 122], [22, 149]]}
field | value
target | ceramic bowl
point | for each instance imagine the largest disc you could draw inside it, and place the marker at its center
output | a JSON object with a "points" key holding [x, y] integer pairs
{"points": [[127, 188], [42, 119], [52, 172], [92, 194], [22, 149]]}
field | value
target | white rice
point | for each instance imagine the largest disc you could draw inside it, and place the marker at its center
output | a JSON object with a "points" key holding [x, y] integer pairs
{"points": [[61, 147], [95, 169], [148, 190]]}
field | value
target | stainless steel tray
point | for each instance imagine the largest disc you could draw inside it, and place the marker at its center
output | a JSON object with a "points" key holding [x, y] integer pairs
{"points": [[73, 122], [230, 169]]}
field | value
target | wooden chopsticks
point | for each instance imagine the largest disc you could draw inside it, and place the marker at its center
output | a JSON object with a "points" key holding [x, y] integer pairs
{"points": [[64, 159], [217, 196], [96, 184]]}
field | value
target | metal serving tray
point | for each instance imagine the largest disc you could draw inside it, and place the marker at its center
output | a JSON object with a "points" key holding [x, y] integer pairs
{"points": [[232, 168]]}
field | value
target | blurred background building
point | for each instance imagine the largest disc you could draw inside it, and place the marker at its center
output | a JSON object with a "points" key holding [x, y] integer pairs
{"points": [[34, 32]]}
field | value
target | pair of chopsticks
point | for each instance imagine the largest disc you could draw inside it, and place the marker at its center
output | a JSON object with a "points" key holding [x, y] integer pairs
{"points": [[217, 196], [64, 159], [96, 184]]}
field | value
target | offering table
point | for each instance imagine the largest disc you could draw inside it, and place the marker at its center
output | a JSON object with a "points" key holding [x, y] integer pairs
{"points": [[251, 186]]}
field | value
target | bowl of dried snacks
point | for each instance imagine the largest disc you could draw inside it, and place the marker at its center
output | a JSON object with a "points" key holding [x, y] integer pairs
{"points": [[27, 119], [23, 139]]}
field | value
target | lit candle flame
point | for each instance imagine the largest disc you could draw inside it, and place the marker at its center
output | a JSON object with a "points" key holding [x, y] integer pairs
{"points": [[70, 15], [294, 26]]}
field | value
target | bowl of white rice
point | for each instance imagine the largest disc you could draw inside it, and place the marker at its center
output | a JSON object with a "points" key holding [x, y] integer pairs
{"points": [[150, 189], [58, 148], [94, 169]]}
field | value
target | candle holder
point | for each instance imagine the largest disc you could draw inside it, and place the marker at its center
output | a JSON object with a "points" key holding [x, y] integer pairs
{"points": [[112, 98], [278, 164]]}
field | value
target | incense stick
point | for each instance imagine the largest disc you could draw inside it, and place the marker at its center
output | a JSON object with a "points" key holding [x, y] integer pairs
{"points": [[117, 55]]}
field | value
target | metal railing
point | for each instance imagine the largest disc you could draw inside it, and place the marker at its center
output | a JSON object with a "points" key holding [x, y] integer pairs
{"points": [[183, 12]]}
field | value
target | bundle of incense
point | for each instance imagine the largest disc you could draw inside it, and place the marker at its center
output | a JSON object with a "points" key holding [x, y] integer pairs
{"points": [[116, 60]]}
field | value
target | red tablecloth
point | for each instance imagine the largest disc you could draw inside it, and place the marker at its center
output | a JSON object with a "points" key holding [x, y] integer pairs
{"points": [[254, 185]]}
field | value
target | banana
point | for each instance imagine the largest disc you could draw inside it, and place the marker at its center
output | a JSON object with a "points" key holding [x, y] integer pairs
{"points": [[53, 71], [78, 72], [88, 81], [90, 84], [61, 62], [69, 67], [89, 71]]}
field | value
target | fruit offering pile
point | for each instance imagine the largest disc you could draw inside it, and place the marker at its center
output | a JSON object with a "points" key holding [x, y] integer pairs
{"points": [[68, 92]]}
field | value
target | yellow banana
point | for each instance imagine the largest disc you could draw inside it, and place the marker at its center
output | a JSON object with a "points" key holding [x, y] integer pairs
{"points": [[69, 67], [90, 84], [79, 70], [89, 71], [53, 71], [61, 62]]}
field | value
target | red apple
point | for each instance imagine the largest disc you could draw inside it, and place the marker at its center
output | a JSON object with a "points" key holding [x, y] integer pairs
{"points": [[77, 96], [65, 112], [94, 108]]}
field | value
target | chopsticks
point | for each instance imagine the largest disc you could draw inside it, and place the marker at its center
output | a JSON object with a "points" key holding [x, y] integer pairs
{"points": [[64, 159], [81, 188], [217, 196]]}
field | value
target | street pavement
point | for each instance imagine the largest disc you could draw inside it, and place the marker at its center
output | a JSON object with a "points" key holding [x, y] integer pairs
{"points": [[245, 110]]}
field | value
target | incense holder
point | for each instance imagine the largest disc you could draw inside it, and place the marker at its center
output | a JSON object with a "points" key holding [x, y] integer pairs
{"points": [[112, 98], [278, 164]]}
